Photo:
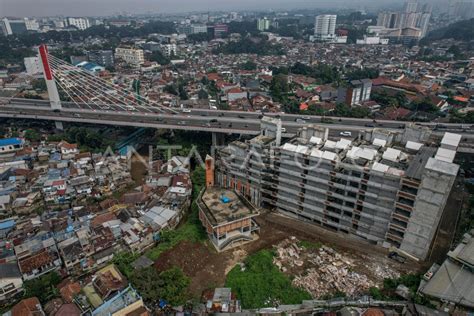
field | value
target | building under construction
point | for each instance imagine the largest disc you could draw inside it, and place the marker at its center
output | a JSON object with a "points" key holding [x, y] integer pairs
{"points": [[387, 187]]}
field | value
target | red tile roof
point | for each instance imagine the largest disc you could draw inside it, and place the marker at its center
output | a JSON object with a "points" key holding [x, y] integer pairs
{"points": [[69, 290], [27, 307], [36, 261], [102, 218]]}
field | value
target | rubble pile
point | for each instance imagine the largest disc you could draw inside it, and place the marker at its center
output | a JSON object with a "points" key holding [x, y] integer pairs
{"points": [[322, 271]]}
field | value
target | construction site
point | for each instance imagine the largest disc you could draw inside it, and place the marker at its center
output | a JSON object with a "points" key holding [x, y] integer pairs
{"points": [[341, 260]]}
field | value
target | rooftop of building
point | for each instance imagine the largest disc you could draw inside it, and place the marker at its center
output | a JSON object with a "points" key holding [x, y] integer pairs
{"points": [[380, 151], [225, 206], [454, 278], [10, 141]]}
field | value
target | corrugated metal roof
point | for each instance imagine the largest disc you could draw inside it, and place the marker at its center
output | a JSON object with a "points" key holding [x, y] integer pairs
{"points": [[10, 141]]}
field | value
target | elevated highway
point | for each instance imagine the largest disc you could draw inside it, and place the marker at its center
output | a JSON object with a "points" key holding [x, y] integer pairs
{"points": [[228, 122]]}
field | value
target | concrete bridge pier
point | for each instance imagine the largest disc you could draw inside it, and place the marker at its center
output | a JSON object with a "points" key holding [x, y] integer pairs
{"points": [[218, 140], [59, 125]]}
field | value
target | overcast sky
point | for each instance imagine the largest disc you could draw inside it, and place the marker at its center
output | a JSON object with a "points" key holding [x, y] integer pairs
{"points": [[109, 7]]}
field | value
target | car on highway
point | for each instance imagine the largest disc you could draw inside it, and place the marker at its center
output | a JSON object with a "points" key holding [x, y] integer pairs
{"points": [[241, 116], [186, 110], [369, 125], [283, 130], [213, 121], [182, 123], [345, 133], [56, 110], [221, 114], [130, 108], [300, 121], [77, 115], [306, 118]]}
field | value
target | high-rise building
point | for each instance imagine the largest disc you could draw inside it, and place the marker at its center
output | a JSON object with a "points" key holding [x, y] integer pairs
{"points": [[169, 49], [32, 66], [387, 187], [358, 91], [423, 23], [410, 6], [325, 27], [12, 26], [195, 29], [220, 30], [263, 24], [461, 9], [79, 23], [413, 20], [130, 55], [31, 24], [103, 58]]}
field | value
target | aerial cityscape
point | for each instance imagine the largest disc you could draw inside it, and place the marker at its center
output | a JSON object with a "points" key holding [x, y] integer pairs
{"points": [[239, 158]]}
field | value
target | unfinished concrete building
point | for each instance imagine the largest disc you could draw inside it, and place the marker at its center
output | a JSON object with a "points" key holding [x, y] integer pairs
{"points": [[389, 188], [227, 218], [248, 166]]}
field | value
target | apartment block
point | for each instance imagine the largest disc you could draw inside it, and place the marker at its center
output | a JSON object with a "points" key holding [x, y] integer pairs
{"points": [[130, 55], [389, 188]]}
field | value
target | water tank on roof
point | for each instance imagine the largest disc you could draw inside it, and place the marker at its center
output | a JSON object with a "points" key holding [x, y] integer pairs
{"points": [[224, 199]]}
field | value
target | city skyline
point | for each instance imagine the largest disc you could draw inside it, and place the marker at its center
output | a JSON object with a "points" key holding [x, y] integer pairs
{"points": [[105, 7]]}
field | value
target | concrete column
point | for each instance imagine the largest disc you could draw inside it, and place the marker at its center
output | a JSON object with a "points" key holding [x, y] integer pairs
{"points": [[218, 140], [59, 125]]}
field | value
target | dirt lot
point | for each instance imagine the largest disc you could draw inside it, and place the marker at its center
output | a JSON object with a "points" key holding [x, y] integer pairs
{"points": [[207, 268]]}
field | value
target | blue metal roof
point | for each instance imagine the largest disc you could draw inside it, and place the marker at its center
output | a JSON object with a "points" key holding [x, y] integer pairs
{"points": [[7, 224], [10, 141]]}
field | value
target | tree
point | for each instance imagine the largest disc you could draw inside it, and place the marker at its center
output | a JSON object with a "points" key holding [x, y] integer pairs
{"points": [[248, 65], [279, 86], [174, 286], [365, 73], [39, 84], [148, 283], [32, 135], [171, 88], [425, 105], [200, 37], [183, 95], [259, 46], [202, 94], [159, 58], [44, 287]]}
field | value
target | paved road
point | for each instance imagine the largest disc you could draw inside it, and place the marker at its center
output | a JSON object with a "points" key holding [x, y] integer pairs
{"points": [[247, 123], [287, 119]]}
